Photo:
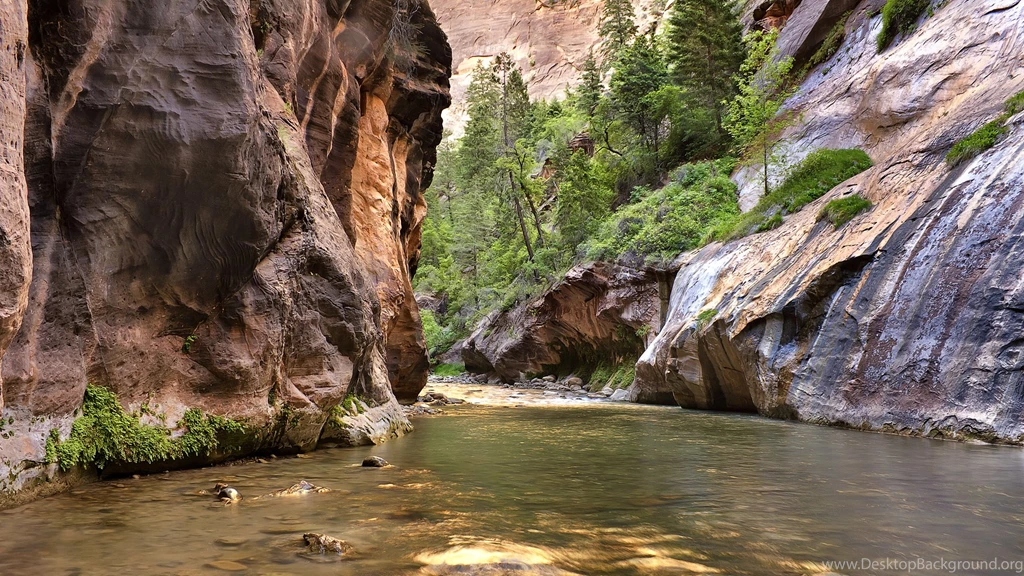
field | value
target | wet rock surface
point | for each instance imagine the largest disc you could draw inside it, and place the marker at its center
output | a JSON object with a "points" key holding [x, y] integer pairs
{"points": [[326, 545], [375, 462], [908, 318]]}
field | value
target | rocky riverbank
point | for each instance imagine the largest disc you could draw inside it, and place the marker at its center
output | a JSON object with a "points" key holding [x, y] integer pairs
{"points": [[539, 391]]}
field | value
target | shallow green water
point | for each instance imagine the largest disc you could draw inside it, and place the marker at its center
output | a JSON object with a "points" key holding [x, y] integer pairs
{"points": [[597, 489]]}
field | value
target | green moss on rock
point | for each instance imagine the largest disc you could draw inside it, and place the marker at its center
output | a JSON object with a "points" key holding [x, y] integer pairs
{"points": [[820, 172], [105, 434]]}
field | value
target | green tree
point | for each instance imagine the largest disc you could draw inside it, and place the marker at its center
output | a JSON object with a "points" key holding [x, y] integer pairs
{"points": [[618, 25], [514, 110], [705, 49], [763, 88], [481, 144], [583, 201], [591, 88], [639, 74]]}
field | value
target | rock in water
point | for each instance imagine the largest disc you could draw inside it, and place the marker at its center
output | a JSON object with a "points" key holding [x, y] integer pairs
{"points": [[375, 462], [326, 545], [226, 493]]}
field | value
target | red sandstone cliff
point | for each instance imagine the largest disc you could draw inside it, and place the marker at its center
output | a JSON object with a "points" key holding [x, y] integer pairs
{"points": [[224, 202]]}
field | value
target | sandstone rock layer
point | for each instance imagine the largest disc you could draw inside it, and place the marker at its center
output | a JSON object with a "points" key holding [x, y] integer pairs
{"points": [[225, 207], [597, 313]]}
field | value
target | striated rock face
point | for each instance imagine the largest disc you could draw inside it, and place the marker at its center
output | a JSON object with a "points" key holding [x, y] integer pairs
{"points": [[15, 251], [225, 208], [599, 312], [909, 318]]}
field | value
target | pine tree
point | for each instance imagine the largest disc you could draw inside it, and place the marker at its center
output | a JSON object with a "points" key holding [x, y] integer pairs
{"points": [[514, 109], [588, 95], [481, 144], [639, 73], [582, 201], [704, 43], [618, 26]]}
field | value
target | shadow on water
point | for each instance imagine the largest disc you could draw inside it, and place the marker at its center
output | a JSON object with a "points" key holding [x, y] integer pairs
{"points": [[598, 489]]}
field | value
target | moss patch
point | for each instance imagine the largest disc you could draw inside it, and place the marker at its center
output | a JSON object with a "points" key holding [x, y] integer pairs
{"points": [[105, 434], [899, 16], [615, 376], [985, 137], [1014, 105], [820, 172], [842, 210], [980, 140]]}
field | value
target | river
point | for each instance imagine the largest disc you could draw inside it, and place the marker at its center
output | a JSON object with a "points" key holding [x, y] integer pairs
{"points": [[578, 487]]}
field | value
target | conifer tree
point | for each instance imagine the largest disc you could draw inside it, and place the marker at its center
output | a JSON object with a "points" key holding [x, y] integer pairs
{"points": [[618, 25], [591, 87], [704, 44]]}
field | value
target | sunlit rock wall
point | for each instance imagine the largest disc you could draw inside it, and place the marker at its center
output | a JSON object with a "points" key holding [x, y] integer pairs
{"points": [[225, 209]]}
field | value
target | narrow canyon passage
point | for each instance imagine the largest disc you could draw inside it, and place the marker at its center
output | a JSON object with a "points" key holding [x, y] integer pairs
{"points": [[511, 287]]}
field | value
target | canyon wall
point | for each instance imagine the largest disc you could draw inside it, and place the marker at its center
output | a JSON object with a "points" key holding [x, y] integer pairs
{"points": [[225, 208], [907, 319]]}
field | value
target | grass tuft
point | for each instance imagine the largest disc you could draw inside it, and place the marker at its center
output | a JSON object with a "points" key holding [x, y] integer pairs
{"points": [[832, 43], [980, 140], [449, 369], [704, 318], [842, 210], [1015, 104]]}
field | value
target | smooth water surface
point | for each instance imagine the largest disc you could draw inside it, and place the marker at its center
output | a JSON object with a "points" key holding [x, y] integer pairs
{"points": [[590, 489]]}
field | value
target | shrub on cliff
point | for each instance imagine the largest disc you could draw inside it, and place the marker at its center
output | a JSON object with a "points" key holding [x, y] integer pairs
{"points": [[820, 172], [899, 16], [663, 223]]}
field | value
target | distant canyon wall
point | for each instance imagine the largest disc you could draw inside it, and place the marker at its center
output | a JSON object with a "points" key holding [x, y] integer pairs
{"points": [[223, 205], [550, 41]]}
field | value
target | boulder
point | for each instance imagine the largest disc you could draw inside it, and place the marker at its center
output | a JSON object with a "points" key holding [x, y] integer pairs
{"points": [[375, 462]]}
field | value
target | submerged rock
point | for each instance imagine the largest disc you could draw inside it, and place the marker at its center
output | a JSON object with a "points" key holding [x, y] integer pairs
{"points": [[375, 462], [326, 545]]}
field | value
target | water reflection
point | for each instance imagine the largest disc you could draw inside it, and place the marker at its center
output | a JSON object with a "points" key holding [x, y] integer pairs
{"points": [[588, 489]]}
